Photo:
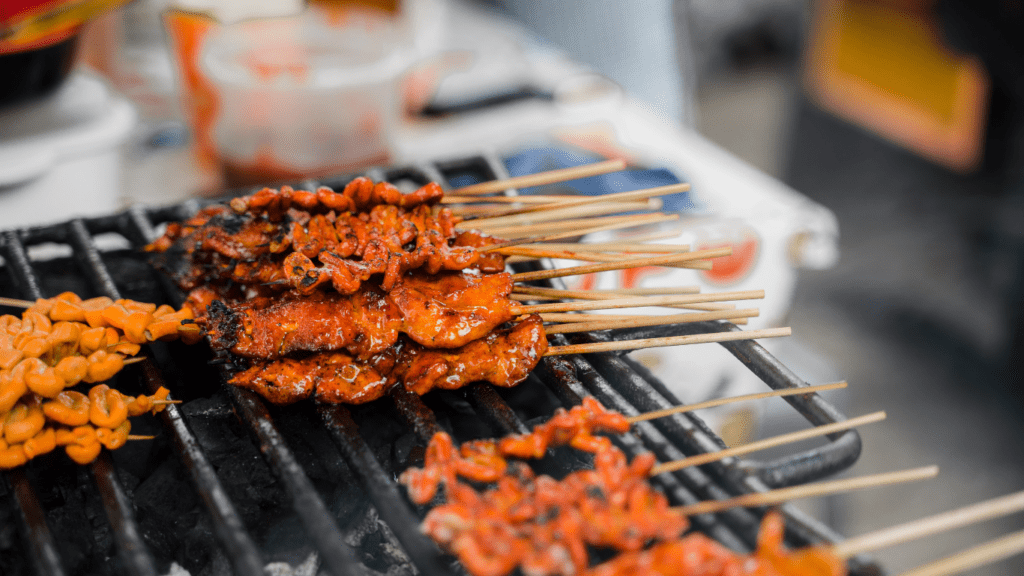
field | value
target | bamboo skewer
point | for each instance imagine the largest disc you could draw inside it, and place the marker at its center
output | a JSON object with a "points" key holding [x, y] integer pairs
{"points": [[578, 201], [134, 360], [639, 321], [531, 199], [931, 525], [573, 318], [768, 443], [635, 263], [582, 231], [802, 390], [549, 294], [666, 341], [542, 178], [16, 303], [484, 222], [594, 257], [636, 247], [602, 294], [534, 253], [981, 555], [637, 302], [781, 495], [579, 227], [139, 437]]}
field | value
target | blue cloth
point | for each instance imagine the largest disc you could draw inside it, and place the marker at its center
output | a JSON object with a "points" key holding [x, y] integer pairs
{"points": [[542, 159]]}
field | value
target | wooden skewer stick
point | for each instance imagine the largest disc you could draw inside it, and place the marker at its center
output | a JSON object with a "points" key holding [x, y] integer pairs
{"points": [[581, 226], [602, 294], [16, 303], [781, 495], [635, 263], [637, 302], [620, 292], [572, 318], [542, 178], [164, 402], [637, 247], [650, 219], [593, 257], [800, 391], [768, 443], [586, 256], [575, 203], [666, 341], [531, 199], [986, 510], [536, 214], [975, 557], [134, 360], [638, 321], [139, 437], [485, 222]]}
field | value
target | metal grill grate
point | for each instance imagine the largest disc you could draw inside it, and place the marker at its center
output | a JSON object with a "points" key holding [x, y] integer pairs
{"points": [[614, 379]]}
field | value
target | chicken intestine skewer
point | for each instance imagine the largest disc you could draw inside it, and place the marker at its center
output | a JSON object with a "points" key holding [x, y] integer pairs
{"points": [[34, 427]]}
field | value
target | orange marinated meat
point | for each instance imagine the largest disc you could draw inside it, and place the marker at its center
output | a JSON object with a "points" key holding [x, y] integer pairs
{"points": [[696, 554], [335, 377], [306, 240], [461, 308], [539, 524]]}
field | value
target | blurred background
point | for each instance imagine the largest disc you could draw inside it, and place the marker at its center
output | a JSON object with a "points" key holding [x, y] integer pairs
{"points": [[901, 117]]}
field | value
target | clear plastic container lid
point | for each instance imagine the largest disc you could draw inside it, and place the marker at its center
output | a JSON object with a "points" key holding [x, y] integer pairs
{"points": [[314, 51]]}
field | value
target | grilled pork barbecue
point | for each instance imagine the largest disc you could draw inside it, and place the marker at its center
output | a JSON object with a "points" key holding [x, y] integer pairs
{"points": [[443, 311], [502, 357], [286, 247]]}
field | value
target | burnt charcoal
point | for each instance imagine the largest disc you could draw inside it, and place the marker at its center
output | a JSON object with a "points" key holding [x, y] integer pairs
{"points": [[219, 565], [214, 425], [135, 278], [196, 549], [166, 495], [250, 485], [311, 444], [407, 451], [286, 541], [376, 544], [80, 527], [12, 560]]}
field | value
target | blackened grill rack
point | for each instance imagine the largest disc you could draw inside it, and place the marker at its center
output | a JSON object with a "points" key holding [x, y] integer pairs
{"points": [[613, 378]]}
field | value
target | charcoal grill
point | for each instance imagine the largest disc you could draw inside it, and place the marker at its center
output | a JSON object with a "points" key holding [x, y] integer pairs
{"points": [[89, 268]]}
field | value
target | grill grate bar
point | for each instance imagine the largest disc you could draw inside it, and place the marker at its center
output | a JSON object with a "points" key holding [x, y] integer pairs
{"points": [[227, 524], [421, 418], [488, 403], [382, 490], [46, 559], [40, 539], [798, 468], [130, 549], [320, 526]]}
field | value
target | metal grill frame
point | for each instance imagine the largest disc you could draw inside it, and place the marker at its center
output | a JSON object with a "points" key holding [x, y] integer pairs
{"points": [[613, 378]]}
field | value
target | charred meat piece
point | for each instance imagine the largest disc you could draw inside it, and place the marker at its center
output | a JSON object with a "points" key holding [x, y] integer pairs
{"points": [[440, 312], [305, 250], [503, 358]]}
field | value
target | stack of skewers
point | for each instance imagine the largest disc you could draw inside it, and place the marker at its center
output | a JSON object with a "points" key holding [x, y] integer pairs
{"points": [[343, 296]]}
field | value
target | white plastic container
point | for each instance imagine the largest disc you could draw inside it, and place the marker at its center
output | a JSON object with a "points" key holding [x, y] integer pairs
{"points": [[61, 157], [304, 96]]}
